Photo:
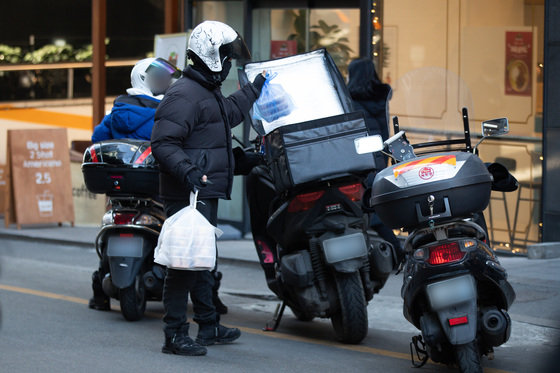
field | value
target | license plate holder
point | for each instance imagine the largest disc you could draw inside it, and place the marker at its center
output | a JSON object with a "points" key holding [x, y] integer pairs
{"points": [[449, 292], [125, 246]]}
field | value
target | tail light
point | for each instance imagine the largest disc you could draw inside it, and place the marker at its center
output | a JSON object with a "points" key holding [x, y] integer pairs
{"points": [[123, 217], [354, 192], [305, 201], [446, 253]]}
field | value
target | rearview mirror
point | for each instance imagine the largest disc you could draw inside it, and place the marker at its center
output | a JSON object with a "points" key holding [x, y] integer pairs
{"points": [[495, 127], [368, 144]]}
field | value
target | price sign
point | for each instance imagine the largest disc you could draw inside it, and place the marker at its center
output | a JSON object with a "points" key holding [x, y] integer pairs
{"points": [[40, 176]]}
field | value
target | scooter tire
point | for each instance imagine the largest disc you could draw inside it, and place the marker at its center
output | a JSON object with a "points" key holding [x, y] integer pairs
{"points": [[133, 300], [468, 358], [350, 323]]}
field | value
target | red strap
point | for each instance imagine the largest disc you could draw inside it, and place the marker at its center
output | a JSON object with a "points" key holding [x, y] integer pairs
{"points": [[144, 155]]}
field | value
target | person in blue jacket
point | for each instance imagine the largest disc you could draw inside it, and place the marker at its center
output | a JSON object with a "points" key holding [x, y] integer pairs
{"points": [[132, 115]]}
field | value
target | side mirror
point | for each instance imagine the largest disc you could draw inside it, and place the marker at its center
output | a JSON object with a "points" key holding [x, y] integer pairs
{"points": [[368, 144], [495, 127]]}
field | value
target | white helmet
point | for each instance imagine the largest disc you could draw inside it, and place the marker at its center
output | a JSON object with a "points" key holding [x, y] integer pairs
{"points": [[214, 42], [152, 76]]}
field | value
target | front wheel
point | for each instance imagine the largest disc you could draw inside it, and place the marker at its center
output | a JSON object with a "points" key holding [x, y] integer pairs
{"points": [[468, 358], [350, 323], [133, 300]]}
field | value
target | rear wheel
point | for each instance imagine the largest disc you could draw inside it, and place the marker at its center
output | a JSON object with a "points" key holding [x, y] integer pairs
{"points": [[133, 300], [468, 358], [350, 323]]}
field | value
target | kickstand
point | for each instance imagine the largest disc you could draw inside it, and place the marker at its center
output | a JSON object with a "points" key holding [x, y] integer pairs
{"points": [[420, 348], [276, 318]]}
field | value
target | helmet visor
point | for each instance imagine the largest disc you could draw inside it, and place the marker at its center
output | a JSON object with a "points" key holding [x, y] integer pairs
{"points": [[239, 50], [160, 67]]}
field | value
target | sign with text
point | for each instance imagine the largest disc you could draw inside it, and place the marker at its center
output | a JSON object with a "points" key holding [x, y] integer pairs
{"points": [[519, 63], [39, 164], [282, 48]]}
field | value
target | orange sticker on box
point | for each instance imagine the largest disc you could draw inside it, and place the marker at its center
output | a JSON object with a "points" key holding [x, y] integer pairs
{"points": [[437, 160]]}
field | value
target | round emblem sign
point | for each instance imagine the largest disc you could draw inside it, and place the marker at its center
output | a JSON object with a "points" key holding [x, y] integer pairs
{"points": [[426, 173]]}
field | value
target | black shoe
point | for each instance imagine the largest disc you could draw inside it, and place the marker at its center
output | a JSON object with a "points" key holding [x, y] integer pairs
{"points": [[100, 303], [211, 334], [181, 344]]}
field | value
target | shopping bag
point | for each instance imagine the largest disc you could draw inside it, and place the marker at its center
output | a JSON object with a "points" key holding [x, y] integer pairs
{"points": [[273, 103], [187, 240]]}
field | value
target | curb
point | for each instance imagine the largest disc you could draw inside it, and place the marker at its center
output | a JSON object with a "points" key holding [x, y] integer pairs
{"points": [[544, 250], [90, 245], [55, 241]]}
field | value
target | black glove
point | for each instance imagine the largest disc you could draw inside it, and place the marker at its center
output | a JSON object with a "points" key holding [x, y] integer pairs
{"points": [[259, 82], [245, 161], [194, 179]]}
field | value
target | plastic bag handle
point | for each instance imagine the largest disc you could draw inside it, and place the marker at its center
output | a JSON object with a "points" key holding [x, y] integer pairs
{"points": [[193, 199]]}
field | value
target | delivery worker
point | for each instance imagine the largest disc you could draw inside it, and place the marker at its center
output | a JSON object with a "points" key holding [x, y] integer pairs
{"points": [[191, 140]]}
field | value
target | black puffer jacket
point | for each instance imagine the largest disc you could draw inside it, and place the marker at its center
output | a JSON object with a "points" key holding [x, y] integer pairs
{"points": [[193, 129]]}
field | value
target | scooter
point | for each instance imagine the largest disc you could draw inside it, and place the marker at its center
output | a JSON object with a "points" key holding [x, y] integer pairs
{"points": [[454, 290], [126, 243], [127, 173], [315, 252]]}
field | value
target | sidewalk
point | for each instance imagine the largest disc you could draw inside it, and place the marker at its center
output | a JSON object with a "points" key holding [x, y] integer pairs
{"points": [[230, 246]]}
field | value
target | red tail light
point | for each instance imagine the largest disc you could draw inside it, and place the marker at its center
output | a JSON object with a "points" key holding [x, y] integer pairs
{"points": [[303, 202], [458, 321], [123, 217], [446, 253], [354, 192]]}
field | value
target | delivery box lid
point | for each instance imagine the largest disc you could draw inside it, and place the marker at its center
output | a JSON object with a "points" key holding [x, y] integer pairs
{"points": [[312, 81]]}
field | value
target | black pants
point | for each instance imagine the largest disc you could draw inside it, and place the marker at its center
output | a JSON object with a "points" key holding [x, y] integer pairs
{"points": [[179, 283]]}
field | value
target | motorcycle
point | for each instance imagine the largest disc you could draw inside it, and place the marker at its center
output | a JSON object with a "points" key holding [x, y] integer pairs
{"points": [[455, 291], [126, 172], [314, 248]]}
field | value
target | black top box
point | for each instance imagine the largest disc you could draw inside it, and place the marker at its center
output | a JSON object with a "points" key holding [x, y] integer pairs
{"points": [[121, 168], [432, 188]]}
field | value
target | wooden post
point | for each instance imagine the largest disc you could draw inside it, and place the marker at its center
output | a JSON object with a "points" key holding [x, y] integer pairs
{"points": [[98, 79], [171, 16]]}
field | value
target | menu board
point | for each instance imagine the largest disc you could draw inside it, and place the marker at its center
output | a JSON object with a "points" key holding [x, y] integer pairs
{"points": [[41, 186]]}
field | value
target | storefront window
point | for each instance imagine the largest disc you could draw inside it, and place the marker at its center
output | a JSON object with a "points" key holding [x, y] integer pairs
{"points": [[284, 32], [486, 56]]}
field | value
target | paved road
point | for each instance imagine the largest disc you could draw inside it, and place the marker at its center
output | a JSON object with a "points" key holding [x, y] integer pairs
{"points": [[46, 325]]}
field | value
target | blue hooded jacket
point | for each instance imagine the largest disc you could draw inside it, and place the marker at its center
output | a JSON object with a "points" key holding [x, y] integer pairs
{"points": [[132, 117]]}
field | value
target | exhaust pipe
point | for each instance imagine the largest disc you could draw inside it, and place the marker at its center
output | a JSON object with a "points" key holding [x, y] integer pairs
{"points": [[108, 287], [496, 326], [152, 283]]}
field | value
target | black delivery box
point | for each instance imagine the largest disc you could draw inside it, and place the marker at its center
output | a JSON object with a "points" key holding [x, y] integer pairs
{"points": [[317, 150], [121, 168], [315, 140], [436, 187]]}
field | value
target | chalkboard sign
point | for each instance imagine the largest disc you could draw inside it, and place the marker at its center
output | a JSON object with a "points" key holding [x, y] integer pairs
{"points": [[39, 163]]}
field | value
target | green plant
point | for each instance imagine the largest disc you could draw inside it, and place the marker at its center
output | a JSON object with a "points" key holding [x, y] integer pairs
{"points": [[322, 35], [9, 54]]}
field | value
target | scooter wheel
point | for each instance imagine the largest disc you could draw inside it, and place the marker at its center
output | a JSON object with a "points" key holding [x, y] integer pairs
{"points": [[468, 358], [133, 300]]}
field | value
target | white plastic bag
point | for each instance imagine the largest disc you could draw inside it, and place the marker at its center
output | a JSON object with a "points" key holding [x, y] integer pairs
{"points": [[187, 240]]}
